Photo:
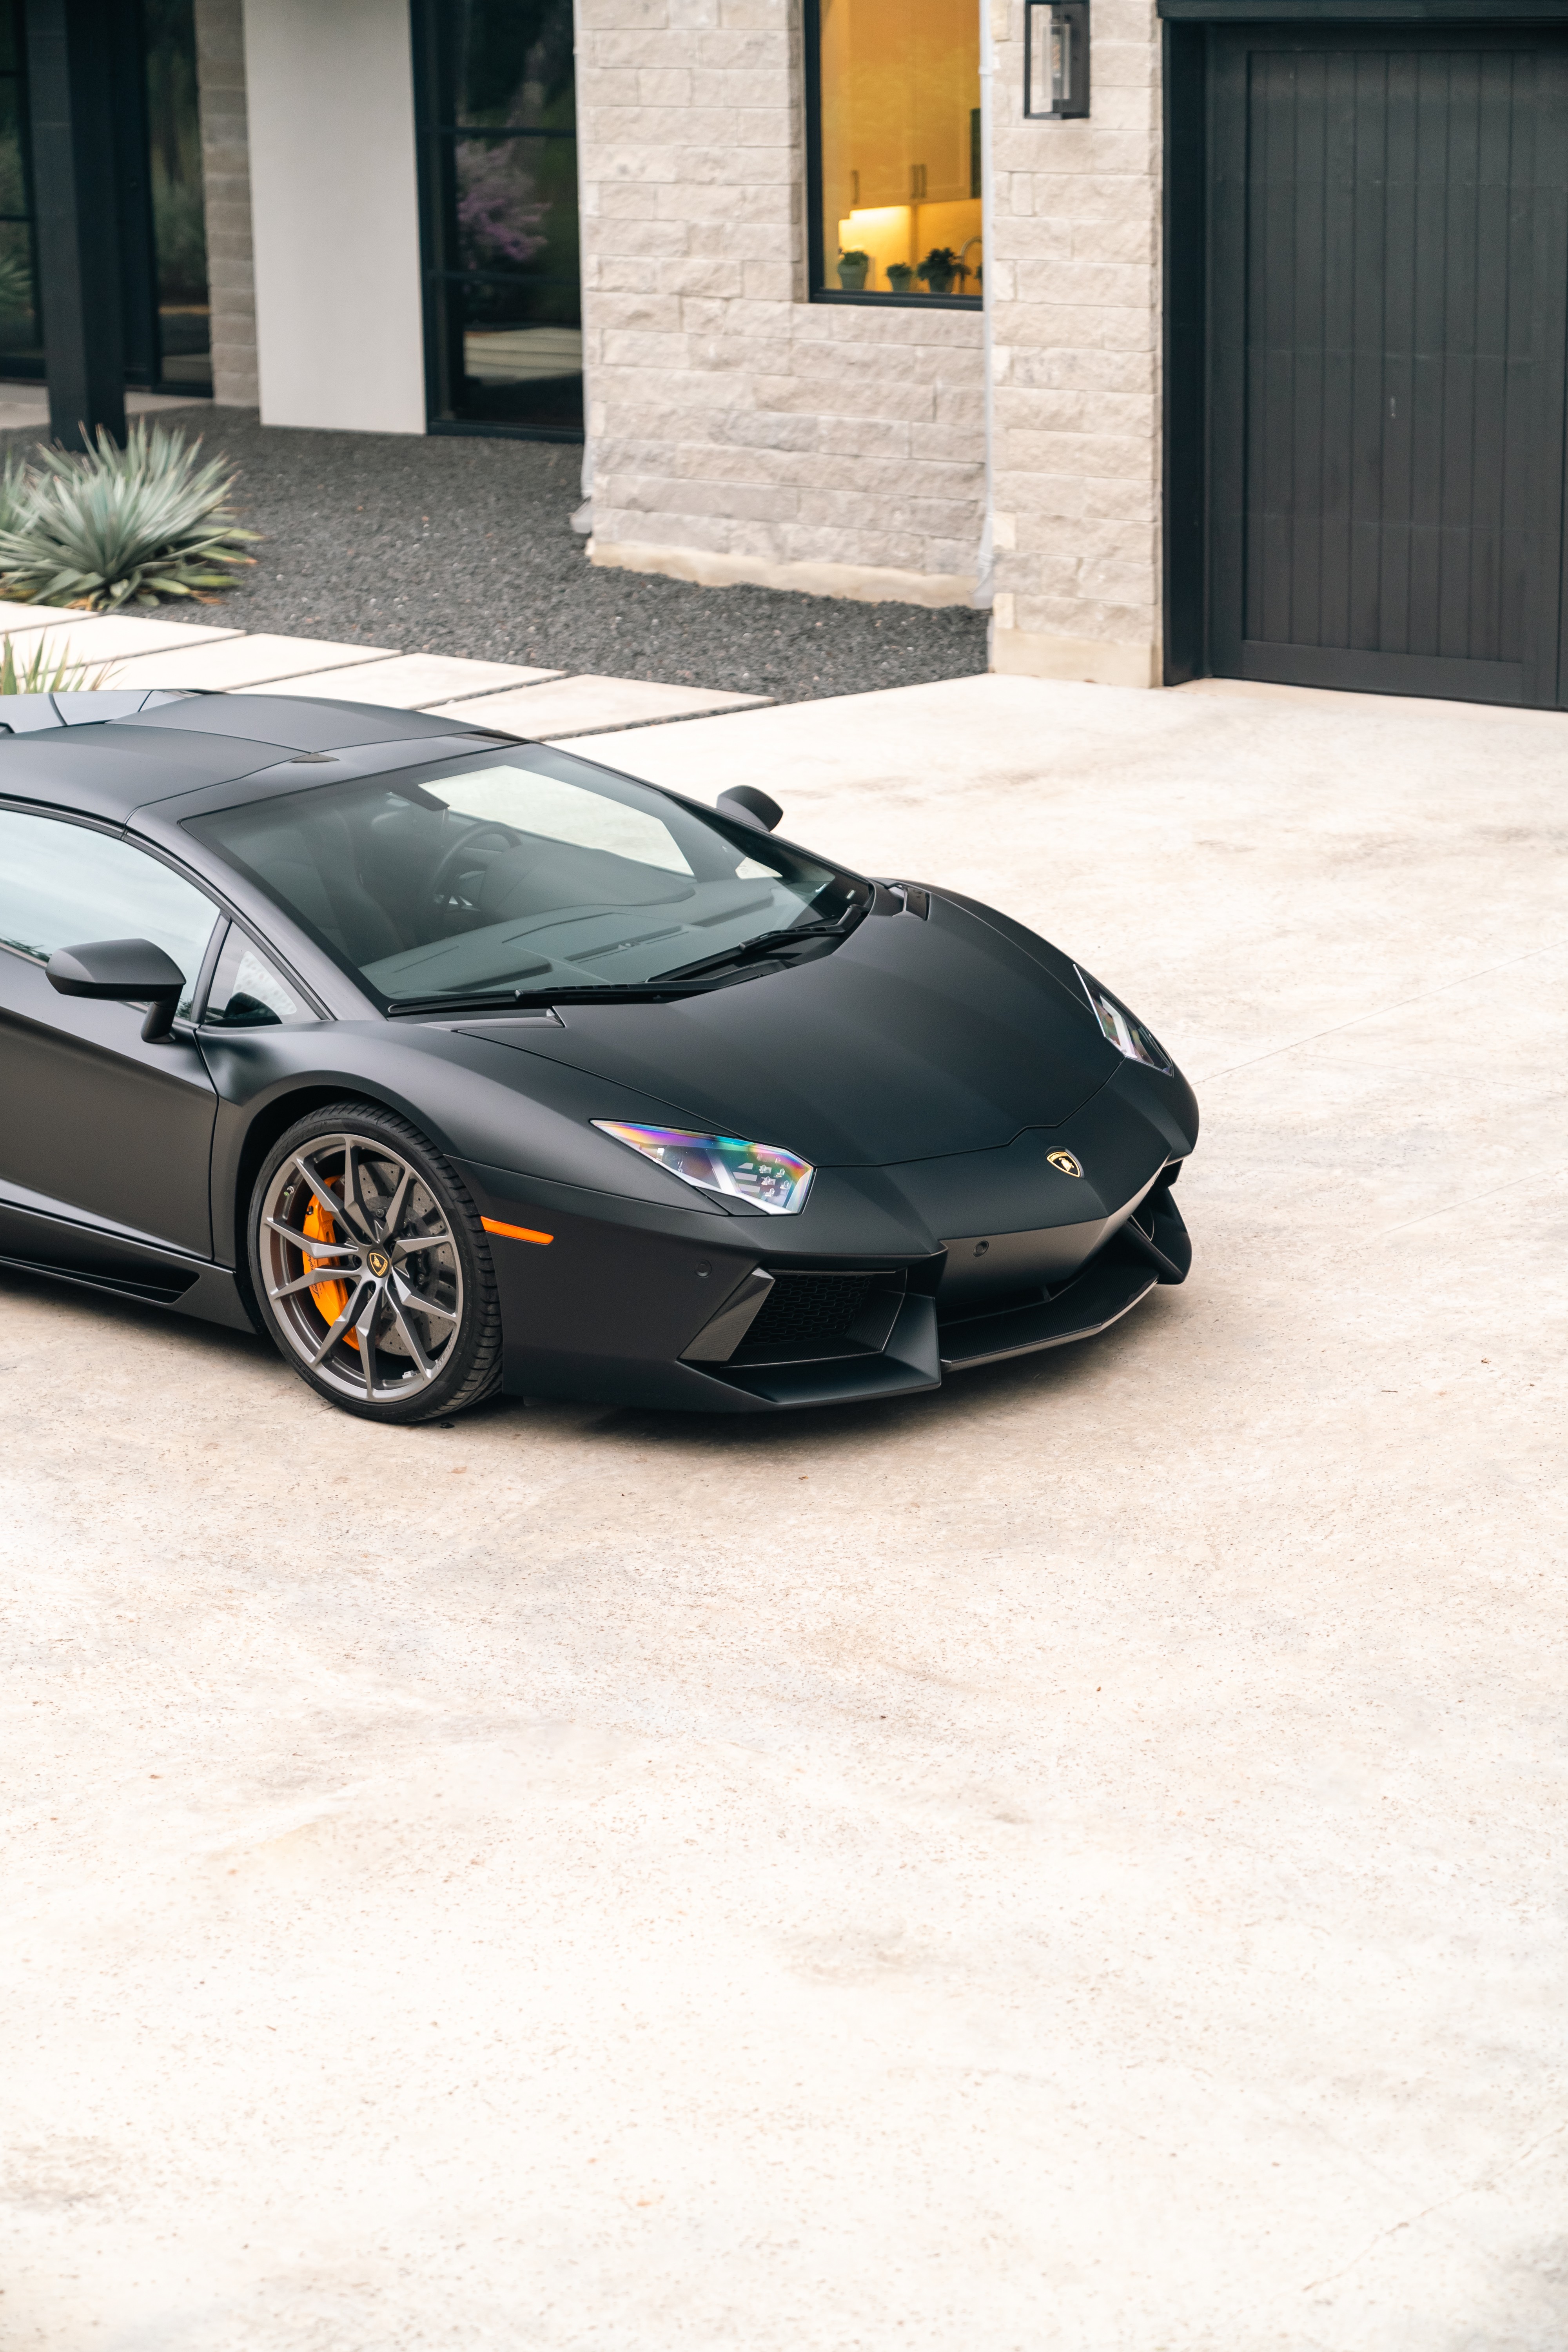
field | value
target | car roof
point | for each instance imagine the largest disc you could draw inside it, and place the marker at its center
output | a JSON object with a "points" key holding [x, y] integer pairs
{"points": [[105, 754]]}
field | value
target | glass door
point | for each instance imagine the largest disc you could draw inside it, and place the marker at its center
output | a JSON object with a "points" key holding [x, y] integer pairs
{"points": [[497, 142]]}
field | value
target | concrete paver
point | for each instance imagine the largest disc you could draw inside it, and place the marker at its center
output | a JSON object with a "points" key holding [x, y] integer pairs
{"points": [[16, 620], [152, 653], [1074, 1860], [576, 706], [107, 637], [238, 662], [413, 681]]}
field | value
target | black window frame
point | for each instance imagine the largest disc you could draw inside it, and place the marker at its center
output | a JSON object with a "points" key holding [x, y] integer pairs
{"points": [[817, 287], [146, 332], [432, 134]]}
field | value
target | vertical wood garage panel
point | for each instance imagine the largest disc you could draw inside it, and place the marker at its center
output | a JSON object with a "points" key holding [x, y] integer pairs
{"points": [[1388, 263]]}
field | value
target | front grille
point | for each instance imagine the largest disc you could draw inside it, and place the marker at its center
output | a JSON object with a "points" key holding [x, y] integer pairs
{"points": [[807, 1310]]}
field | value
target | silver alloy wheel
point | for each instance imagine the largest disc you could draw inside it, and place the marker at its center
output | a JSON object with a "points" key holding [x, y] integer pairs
{"points": [[361, 1267]]}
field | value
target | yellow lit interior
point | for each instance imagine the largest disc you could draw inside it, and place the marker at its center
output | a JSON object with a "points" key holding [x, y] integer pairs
{"points": [[900, 94]]}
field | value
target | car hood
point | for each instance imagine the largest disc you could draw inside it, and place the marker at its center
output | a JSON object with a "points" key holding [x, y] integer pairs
{"points": [[913, 1039]]}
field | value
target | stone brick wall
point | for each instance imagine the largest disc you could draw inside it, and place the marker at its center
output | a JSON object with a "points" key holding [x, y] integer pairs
{"points": [[737, 431], [1073, 271], [225, 177]]}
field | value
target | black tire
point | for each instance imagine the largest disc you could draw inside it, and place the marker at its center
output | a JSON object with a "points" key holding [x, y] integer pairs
{"points": [[405, 1332]]}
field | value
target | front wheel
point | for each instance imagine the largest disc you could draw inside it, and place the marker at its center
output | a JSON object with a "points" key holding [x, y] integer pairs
{"points": [[372, 1269]]}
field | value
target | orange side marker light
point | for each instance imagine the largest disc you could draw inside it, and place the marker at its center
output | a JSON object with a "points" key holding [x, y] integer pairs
{"points": [[515, 1233]]}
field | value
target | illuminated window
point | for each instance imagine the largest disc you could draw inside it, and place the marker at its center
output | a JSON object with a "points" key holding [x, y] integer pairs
{"points": [[894, 121]]}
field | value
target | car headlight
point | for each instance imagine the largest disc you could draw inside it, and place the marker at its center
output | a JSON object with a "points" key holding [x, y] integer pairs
{"points": [[1126, 1032], [762, 1173]]}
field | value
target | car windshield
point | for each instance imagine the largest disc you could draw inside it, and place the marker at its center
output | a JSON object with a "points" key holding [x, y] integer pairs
{"points": [[520, 870]]}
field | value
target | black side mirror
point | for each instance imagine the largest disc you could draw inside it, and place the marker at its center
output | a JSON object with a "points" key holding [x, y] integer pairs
{"points": [[749, 806], [127, 971]]}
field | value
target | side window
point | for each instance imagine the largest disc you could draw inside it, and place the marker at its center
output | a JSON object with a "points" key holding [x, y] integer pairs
{"points": [[250, 992], [62, 884]]}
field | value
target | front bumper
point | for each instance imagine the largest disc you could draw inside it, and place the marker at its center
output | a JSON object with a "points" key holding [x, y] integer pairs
{"points": [[890, 1280]]}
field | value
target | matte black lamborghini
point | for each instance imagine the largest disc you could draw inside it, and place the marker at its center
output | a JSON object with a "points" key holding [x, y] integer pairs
{"points": [[457, 1063]]}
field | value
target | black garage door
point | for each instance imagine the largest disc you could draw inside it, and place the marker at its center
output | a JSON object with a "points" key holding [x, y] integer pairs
{"points": [[1387, 303]]}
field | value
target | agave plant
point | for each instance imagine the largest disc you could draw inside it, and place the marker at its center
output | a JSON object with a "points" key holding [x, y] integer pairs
{"points": [[44, 669], [115, 527]]}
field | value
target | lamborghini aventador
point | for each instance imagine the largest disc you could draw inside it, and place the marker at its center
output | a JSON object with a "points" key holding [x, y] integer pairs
{"points": [[456, 1063]]}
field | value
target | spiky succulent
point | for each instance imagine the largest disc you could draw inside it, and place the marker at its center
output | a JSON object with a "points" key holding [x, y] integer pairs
{"points": [[45, 669], [112, 527]]}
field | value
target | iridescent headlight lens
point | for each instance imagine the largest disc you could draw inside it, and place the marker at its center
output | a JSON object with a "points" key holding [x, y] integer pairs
{"points": [[1127, 1034], [762, 1173]]}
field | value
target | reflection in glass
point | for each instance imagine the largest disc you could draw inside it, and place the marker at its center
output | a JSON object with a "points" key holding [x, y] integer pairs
{"points": [[509, 65], [13, 173], [20, 341], [499, 215], [18, 320], [900, 101]]}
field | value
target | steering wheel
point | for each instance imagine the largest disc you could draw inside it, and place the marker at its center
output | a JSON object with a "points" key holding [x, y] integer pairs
{"points": [[452, 863]]}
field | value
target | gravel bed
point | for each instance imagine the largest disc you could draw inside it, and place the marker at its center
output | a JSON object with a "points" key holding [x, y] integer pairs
{"points": [[458, 546]]}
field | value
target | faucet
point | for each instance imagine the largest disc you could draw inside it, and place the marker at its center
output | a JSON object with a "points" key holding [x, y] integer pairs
{"points": [[963, 268]]}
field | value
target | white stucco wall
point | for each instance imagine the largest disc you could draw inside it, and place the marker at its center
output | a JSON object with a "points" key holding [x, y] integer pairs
{"points": [[335, 206]]}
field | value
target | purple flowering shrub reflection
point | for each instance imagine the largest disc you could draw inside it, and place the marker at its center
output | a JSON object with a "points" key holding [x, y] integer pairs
{"points": [[499, 215]]}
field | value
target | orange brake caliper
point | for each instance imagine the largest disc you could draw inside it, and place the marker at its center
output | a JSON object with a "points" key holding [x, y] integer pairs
{"points": [[330, 1298]]}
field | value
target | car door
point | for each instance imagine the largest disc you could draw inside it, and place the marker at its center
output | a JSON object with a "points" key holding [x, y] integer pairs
{"points": [[99, 1129]]}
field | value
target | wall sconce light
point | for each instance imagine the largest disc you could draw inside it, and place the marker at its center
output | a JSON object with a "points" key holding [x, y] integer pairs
{"points": [[1055, 59]]}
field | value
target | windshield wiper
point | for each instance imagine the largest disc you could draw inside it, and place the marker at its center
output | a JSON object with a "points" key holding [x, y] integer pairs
{"points": [[512, 999], [766, 943], [685, 980]]}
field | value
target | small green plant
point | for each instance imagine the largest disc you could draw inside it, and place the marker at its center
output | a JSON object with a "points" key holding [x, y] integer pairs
{"points": [[44, 670], [855, 256], [938, 269], [114, 526]]}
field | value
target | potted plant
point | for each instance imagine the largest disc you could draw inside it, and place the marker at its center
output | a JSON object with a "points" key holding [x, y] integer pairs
{"points": [[854, 269], [939, 270], [901, 278]]}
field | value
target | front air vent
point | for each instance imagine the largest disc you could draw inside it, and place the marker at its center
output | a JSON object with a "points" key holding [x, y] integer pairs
{"points": [[803, 1310], [813, 1317]]}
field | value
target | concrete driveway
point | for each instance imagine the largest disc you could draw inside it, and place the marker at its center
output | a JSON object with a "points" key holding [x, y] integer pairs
{"points": [[1072, 1861]]}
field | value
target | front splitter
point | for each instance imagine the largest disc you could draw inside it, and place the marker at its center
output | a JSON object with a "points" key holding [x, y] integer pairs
{"points": [[1108, 1288]]}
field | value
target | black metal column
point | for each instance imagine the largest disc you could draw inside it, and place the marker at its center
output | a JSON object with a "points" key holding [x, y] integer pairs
{"points": [[71, 74]]}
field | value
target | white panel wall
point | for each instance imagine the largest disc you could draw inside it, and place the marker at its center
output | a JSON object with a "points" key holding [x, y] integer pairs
{"points": [[336, 215]]}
